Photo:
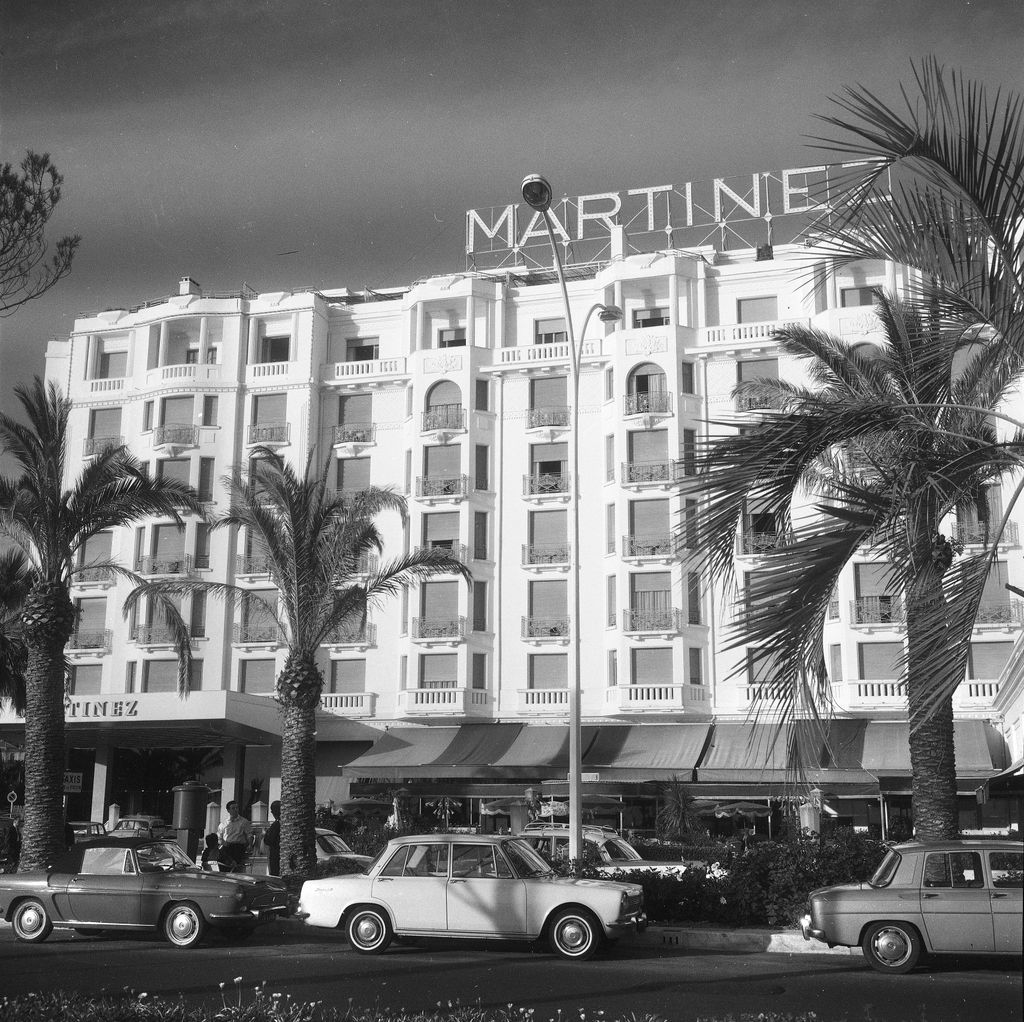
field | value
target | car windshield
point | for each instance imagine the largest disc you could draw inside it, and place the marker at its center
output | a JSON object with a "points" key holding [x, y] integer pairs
{"points": [[886, 869], [333, 843], [620, 851], [162, 855], [525, 861]]}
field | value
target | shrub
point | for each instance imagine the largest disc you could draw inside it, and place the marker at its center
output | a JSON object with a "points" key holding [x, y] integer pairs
{"points": [[694, 895]]}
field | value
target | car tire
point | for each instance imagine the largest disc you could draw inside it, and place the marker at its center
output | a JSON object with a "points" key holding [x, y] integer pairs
{"points": [[574, 934], [369, 930], [31, 921], [892, 947], [184, 925]]}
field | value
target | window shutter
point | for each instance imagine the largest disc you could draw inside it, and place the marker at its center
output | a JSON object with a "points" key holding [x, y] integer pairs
{"points": [[549, 670], [445, 462], [652, 666], [878, 660], [348, 676], [989, 659], [270, 408], [548, 392], [548, 527], [548, 598], [648, 445], [440, 600]]}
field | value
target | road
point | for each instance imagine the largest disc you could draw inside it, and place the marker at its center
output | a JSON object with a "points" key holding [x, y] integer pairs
{"points": [[680, 986]]}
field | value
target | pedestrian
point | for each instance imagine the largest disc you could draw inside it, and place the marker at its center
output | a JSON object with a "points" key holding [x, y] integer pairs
{"points": [[210, 860], [272, 839], [234, 839]]}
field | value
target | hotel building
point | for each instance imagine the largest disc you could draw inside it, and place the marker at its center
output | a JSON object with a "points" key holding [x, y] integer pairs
{"points": [[454, 390]]}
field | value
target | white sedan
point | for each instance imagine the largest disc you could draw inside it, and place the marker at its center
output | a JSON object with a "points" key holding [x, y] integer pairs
{"points": [[471, 885]]}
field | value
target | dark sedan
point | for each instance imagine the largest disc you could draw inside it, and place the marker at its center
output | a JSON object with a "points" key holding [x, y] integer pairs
{"points": [[136, 884]]}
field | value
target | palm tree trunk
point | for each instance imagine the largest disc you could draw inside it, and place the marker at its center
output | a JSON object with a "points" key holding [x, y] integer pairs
{"points": [[43, 830], [932, 757], [298, 791]]}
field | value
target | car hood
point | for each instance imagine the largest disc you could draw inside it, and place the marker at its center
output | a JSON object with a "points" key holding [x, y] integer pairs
{"points": [[840, 888], [604, 885], [659, 866], [192, 876]]}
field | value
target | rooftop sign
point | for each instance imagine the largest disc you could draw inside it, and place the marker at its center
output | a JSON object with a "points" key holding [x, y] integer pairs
{"points": [[737, 210]]}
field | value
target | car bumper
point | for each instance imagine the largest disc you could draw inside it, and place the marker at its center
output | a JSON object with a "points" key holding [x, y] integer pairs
{"points": [[809, 932], [635, 923], [255, 915]]}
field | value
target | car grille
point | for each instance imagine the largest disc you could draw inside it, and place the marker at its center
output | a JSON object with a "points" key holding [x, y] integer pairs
{"points": [[262, 900], [634, 903]]}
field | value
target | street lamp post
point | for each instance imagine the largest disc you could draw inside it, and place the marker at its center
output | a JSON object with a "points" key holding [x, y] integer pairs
{"points": [[537, 194]]}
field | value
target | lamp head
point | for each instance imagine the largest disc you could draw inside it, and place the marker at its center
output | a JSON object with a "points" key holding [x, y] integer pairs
{"points": [[609, 314], [537, 192]]}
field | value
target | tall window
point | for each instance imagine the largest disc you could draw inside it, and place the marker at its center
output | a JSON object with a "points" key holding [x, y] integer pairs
{"points": [[274, 349], [348, 677], [611, 602], [205, 488], [693, 600], [652, 666], [479, 676], [548, 670], [480, 535], [479, 592], [210, 410], [549, 331], [481, 474], [656, 316], [695, 666], [482, 395], [452, 337], [879, 661], [687, 378]]}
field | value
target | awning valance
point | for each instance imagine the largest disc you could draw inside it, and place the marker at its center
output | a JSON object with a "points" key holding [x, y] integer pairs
{"points": [[742, 752], [646, 752], [887, 748]]}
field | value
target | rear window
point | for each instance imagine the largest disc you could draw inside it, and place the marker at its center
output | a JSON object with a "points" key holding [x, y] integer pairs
{"points": [[886, 869], [1007, 868]]}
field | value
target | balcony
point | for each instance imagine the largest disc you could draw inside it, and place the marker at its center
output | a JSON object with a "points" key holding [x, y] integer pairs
{"points": [[749, 403], [1008, 613], [651, 407], [558, 352], [349, 704], [973, 534], [185, 372], [654, 546], [92, 640], [547, 423], [92, 445], [175, 436], [546, 555], [440, 631], [443, 422], [754, 543], [107, 385], [256, 634], [356, 636], [878, 610], [891, 694], [249, 566], [366, 564], [363, 371], [542, 486], [268, 434], [639, 474], [92, 577], [351, 439], [739, 333], [667, 697], [153, 636], [157, 564], [546, 629], [259, 372], [543, 701], [666, 621], [457, 550], [438, 489], [451, 700]]}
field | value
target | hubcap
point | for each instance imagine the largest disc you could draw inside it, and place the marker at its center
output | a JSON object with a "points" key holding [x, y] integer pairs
{"points": [[573, 934], [368, 930], [891, 946], [183, 925], [31, 920]]}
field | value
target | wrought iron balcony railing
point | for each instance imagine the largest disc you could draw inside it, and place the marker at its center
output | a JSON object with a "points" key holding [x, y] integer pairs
{"points": [[438, 628], [661, 619], [455, 549], [257, 631], [252, 564], [364, 634], [92, 445], [442, 486], [153, 635], [546, 553], [974, 534], [761, 542], [546, 482], [355, 433], [444, 417], [1000, 612], [651, 545], [91, 639], [268, 433], [545, 627], [636, 472], [176, 434], [557, 415], [877, 610], [153, 564], [642, 404]]}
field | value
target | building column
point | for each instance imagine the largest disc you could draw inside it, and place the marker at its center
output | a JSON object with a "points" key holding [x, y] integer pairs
{"points": [[100, 783], [233, 778], [470, 320], [203, 340], [161, 355], [673, 301]]}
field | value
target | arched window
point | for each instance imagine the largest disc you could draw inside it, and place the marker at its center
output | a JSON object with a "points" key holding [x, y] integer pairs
{"points": [[444, 407], [647, 390]]}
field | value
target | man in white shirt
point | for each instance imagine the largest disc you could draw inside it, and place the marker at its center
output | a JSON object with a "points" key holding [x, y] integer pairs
{"points": [[234, 839]]}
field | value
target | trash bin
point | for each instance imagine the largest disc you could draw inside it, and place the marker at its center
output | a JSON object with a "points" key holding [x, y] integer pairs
{"points": [[189, 814]]}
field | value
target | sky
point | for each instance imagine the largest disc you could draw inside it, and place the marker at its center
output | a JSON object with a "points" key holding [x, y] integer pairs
{"points": [[325, 143]]}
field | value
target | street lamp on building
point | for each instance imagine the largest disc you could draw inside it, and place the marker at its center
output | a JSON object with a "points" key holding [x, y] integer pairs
{"points": [[537, 195]]}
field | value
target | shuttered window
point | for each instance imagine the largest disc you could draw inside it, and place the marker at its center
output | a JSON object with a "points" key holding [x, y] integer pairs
{"points": [[257, 676], [648, 445], [105, 422], [439, 670], [269, 408], [481, 467], [988, 660], [168, 542], [548, 392], [87, 679], [479, 593], [348, 676], [92, 614], [651, 590], [757, 369], [441, 529], [652, 666], [548, 670], [173, 468], [355, 409], [649, 517], [995, 585], [177, 411], [440, 600], [879, 660], [548, 598], [353, 473], [548, 528], [757, 310], [442, 462], [549, 458], [872, 579]]}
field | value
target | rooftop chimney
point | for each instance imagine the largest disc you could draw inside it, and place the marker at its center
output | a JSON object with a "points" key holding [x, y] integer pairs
{"points": [[187, 286]]}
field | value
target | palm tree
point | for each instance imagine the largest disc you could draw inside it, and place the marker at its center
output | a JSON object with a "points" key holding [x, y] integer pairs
{"points": [[314, 542], [875, 454], [51, 523], [15, 581]]}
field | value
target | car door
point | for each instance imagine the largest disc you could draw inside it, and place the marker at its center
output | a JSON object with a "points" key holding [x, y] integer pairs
{"points": [[955, 902], [413, 885], [1006, 869], [107, 889], [483, 895]]}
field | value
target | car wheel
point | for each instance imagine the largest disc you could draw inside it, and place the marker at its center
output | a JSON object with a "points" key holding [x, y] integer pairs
{"points": [[369, 931], [574, 934], [184, 925], [892, 947], [32, 922]]}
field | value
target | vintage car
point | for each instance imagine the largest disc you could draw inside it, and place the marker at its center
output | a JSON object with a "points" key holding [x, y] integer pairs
{"points": [[956, 897], [471, 885], [142, 825], [329, 848], [604, 848], [141, 885], [87, 830]]}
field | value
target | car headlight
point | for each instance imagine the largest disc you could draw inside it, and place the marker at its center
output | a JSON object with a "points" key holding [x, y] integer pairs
{"points": [[805, 920]]}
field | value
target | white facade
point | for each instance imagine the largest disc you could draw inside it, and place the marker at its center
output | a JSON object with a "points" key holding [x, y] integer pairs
{"points": [[455, 392]]}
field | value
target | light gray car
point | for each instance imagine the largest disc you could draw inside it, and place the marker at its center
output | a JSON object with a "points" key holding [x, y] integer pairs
{"points": [[944, 897]]}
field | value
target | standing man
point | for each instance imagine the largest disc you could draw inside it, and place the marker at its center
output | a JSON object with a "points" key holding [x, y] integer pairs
{"points": [[234, 839], [272, 839]]}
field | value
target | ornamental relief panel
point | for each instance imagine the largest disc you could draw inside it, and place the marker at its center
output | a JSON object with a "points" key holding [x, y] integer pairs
{"points": [[646, 345]]}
